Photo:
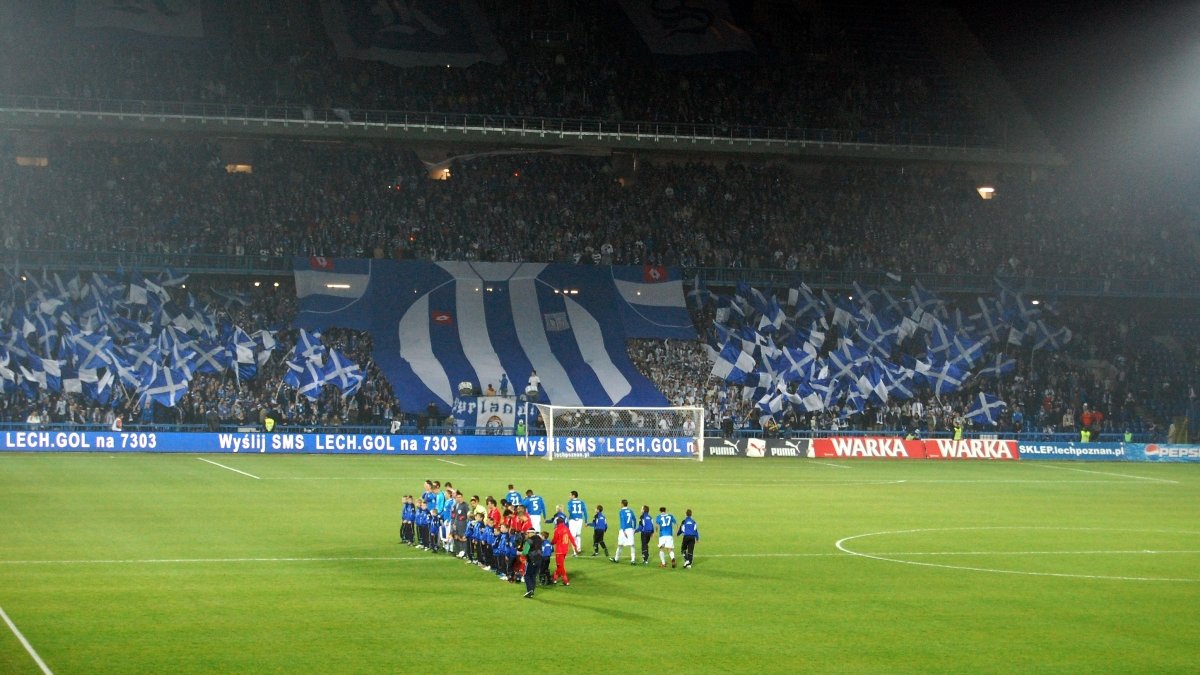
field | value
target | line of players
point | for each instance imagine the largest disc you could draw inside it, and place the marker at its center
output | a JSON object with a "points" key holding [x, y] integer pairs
{"points": [[442, 520]]}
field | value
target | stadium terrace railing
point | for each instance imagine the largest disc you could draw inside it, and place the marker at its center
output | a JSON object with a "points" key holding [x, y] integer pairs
{"points": [[190, 263], [581, 129], [440, 430], [715, 277], [725, 277]]}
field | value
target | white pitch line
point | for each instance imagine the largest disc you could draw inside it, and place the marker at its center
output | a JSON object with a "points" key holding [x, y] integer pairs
{"points": [[836, 466], [827, 554], [161, 561], [899, 558], [229, 467], [25, 643], [448, 461], [1108, 473]]}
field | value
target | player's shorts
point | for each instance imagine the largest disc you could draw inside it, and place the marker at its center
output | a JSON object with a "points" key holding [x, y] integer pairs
{"points": [[625, 537], [666, 541], [575, 525]]}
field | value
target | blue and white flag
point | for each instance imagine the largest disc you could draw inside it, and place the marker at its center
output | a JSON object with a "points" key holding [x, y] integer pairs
{"points": [[986, 409], [946, 379], [342, 373], [92, 350], [165, 386], [651, 302], [411, 33], [997, 367]]}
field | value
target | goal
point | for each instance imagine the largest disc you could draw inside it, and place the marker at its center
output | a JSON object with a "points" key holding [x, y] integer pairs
{"points": [[583, 432]]}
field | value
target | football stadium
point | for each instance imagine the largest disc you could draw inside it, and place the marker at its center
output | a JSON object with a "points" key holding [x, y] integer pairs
{"points": [[345, 336]]}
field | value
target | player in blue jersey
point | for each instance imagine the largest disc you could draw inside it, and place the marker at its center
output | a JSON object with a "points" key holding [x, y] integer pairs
{"points": [[446, 533], [599, 526], [535, 506], [626, 522], [576, 516], [690, 533], [512, 497], [666, 536], [646, 529]]}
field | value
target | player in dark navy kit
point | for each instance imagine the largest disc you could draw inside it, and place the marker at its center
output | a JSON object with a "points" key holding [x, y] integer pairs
{"points": [[690, 531], [599, 526], [646, 529], [408, 519]]}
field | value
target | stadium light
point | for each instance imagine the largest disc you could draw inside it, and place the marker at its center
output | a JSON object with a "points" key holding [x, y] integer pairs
{"points": [[1035, 302], [342, 286], [986, 192], [257, 284]]}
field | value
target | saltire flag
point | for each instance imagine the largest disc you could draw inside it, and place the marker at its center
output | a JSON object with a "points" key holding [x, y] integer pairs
{"points": [[165, 386], [946, 379], [1049, 338], [998, 367], [212, 357], [92, 350], [308, 345], [342, 373], [304, 376], [699, 296], [986, 409]]}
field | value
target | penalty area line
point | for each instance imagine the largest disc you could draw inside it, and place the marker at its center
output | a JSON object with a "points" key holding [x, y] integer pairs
{"points": [[25, 643], [229, 467], [449, 462]]}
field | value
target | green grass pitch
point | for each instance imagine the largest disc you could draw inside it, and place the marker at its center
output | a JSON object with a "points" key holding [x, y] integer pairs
{"points": [[171, 564]]}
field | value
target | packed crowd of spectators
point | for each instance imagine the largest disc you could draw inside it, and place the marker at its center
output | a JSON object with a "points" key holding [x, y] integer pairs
{"points": [[226, 400], [1109, 374], [841, 70], [1133, 363], [175, 196]]}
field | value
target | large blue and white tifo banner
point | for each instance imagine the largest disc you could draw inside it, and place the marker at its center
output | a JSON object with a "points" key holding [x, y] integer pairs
{"points": [[435, 325], [340, 444]]}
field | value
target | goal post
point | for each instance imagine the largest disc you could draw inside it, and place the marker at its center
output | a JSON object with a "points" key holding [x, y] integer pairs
{"points": [[588, 431]]}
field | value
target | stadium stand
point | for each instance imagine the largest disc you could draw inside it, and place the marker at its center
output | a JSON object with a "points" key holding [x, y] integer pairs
{"points": [[854, 69]]}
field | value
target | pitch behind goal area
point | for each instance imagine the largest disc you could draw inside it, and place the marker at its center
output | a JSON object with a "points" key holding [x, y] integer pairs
{"points": [[580, 432]]}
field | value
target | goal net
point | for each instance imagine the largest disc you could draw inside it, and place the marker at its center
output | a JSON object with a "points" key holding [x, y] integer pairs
{"points": [[581, 432]]}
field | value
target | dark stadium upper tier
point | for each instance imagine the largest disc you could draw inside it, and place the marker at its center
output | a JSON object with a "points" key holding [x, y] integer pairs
{"points": [[776, 66]]}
